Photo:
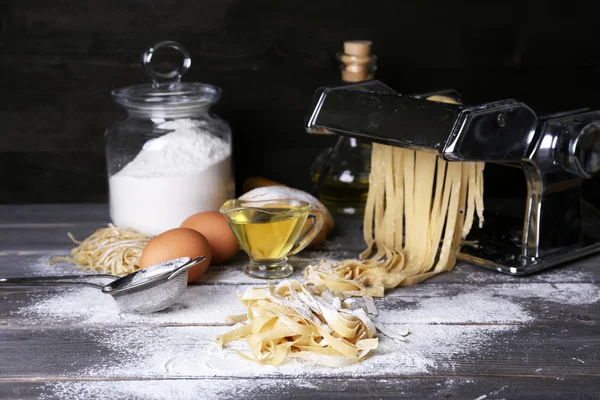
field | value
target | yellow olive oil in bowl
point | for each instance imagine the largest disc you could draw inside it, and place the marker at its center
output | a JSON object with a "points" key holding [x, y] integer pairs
{"points": [[271, 230]]}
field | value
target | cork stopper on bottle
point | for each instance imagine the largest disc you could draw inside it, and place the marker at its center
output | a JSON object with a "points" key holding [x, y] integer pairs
{"points": [[357, 60], [358, 48]]}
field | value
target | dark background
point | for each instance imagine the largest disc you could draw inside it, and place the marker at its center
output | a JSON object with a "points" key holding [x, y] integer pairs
{"points": [[61, 59]]}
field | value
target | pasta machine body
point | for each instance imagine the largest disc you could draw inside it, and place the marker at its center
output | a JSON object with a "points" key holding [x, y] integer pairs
{"points": [[555, 153]]}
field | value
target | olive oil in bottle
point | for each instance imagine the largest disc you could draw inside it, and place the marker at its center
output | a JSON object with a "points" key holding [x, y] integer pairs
{"points": [[345, 187]]}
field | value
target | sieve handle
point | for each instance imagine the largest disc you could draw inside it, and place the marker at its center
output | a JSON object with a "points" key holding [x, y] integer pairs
{"points": [[183, 268], [57, 280]]}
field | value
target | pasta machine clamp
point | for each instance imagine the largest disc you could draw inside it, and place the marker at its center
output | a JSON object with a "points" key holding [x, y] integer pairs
{"points": [[556, 154]]}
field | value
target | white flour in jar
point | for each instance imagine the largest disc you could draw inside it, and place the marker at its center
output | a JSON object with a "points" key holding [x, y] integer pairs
{"points": [[183, 172]]}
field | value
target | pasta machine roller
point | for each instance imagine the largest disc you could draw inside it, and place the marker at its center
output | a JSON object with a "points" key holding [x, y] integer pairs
{"points": [[550, 224]]}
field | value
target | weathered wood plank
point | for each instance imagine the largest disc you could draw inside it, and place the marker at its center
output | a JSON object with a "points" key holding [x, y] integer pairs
{"points": [[12, 215], [545, 330], [344, 242], [42, 239], [191, 352], [583, 271], [209, 304], [45, 227], [42, 229], [451, 387]]}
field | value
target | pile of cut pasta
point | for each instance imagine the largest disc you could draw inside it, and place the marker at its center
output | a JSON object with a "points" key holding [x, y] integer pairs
{"points": [[291, 320]]}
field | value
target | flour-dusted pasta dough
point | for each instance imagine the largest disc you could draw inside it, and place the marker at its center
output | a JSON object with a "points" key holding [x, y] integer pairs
{"points": [[419, 209], [289, 320]]}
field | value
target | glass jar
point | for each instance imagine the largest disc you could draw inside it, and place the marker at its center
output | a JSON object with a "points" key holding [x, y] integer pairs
{"points": [[168, 157]]}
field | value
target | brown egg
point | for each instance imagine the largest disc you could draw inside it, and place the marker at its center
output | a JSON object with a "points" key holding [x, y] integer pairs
{"points": [[175, 243], [215, 228]]}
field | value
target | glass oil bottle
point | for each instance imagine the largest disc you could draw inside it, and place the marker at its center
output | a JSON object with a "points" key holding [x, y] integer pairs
{"points": [[341, 172]]}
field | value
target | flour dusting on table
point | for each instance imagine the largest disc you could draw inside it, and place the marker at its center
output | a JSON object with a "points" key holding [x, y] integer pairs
{"points": [[444, 328]]}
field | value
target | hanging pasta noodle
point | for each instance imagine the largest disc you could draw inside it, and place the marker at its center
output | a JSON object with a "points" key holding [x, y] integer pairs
{"points": [[112, 250], [289, 320], [419, 209]]}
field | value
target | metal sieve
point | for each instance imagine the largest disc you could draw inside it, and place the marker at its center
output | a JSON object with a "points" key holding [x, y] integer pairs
{"points": [[145, 291]]}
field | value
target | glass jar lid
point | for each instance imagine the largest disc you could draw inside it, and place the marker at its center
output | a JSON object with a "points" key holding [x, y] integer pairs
{"points": [[166, 92]]}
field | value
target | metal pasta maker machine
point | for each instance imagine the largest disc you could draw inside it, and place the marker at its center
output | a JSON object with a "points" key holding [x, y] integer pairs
{"points": [[549, 224]]}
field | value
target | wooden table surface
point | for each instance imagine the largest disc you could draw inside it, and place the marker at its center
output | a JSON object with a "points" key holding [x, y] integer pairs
{"points": [[474, 333]]}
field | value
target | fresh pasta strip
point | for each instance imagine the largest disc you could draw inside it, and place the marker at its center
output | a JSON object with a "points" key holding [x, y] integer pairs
{"points": [[289, 320], [419, 209], [113, 250]]}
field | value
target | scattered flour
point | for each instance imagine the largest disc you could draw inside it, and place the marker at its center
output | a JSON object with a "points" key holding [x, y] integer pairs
{"points": [[178, 344], [563, 293], [493, 305], [183, 389], [557, 275], [135, 351], [89, 306], [176, 389], [186, 352], [41, 267], [477, 307]]}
